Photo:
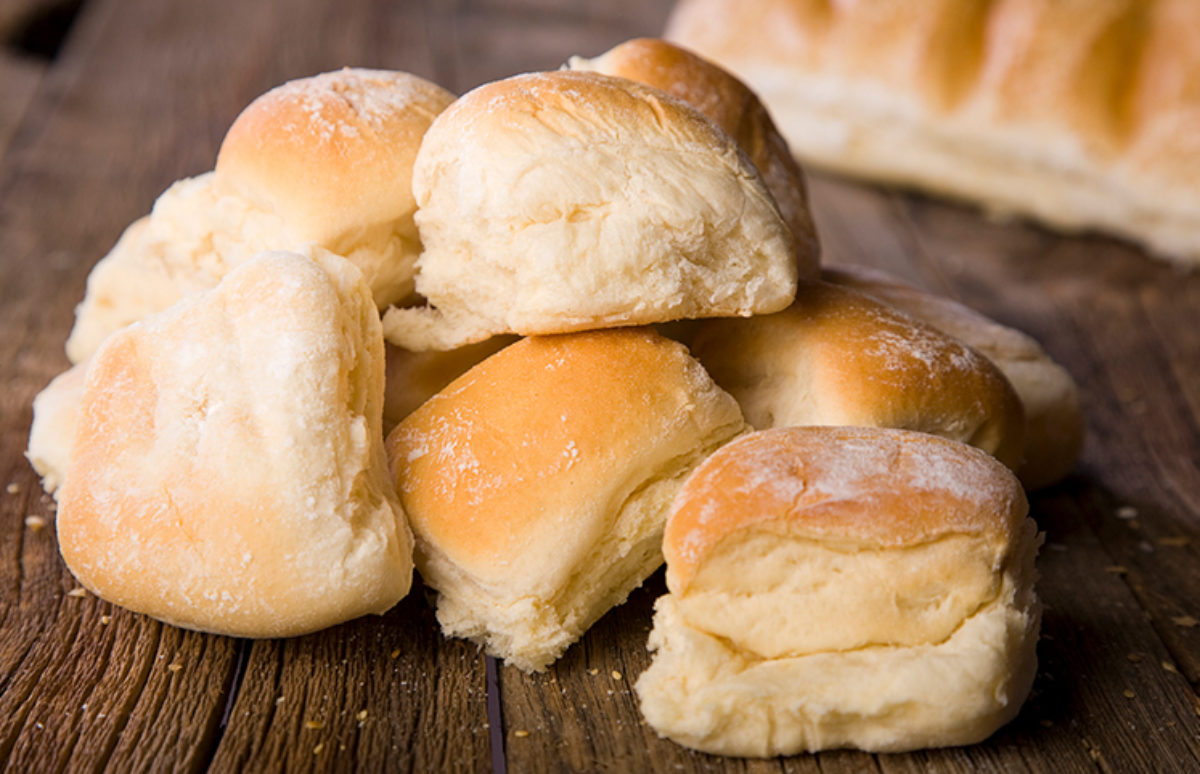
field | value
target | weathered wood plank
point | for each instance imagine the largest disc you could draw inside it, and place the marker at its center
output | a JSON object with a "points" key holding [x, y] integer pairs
{"points": [[19, 79], [494, 43], [79, 678], [379, 694]]}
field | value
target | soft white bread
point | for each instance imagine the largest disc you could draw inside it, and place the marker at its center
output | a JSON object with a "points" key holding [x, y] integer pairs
{"points": [[1080, 114], [843, 587], [564, 201], [55, 416], [538, 483], [415, 377], [837, 357], [731, 105], [228, 471], [1054, 425], [325, 160]]}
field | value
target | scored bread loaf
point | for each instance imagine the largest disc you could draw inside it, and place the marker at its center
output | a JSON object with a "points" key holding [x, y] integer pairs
{"points": [[837, 357], [324, 160], [228, 471], [843, 587], [732, 106], [564, 201], [537, 484], [1054, 425], [1080, 114]]}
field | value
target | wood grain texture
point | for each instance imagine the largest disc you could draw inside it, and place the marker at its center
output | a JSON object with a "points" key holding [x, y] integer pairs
{"points": [[142, 94], [19, 78], [379, 694]]}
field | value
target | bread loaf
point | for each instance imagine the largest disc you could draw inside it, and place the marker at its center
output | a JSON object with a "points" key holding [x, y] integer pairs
{"points": [[843, 587], [1080, 114]]}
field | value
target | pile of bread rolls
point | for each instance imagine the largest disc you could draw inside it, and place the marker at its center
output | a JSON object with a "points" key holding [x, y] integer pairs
{"points": [[830, 471]]}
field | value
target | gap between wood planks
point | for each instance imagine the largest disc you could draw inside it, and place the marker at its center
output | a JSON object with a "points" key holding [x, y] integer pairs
{"points": [[495, 718], [232, 688]]}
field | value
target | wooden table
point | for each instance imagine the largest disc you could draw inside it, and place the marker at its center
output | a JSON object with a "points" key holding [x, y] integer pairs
{"points": [[104, 102]]}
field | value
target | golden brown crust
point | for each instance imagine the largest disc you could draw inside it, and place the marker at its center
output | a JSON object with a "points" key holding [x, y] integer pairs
{"points": [[332, 151], [731, 105], [985, 335], [837, 357], [415, 377], [538, 483], [1054, 422], [488, 468], [824, 483]]}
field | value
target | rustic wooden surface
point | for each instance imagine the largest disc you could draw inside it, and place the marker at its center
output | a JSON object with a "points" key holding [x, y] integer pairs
{"points": [[140, 92]]}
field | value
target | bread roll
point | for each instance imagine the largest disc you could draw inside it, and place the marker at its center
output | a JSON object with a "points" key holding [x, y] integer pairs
{"points": [[564, 201], [415, 377], [837, 357], [730, 105], [228, 472], [325, 160], [55, 416], [843, 587], [1079, 114], [1054, 425], [537, 483]]}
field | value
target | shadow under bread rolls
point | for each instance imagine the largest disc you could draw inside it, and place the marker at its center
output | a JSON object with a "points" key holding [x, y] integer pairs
{"points": [[1054, 422], [537, 484], [732, 106], [837, 357], [566, 201], [843, 587], [325, 160], [228, 471]]}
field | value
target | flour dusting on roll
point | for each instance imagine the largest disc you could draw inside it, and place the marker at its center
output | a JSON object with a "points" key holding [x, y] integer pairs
{"points": [[228, 470], [732, 106], [325, 160], [1054, 423], [837, 357], [566, 201]]}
